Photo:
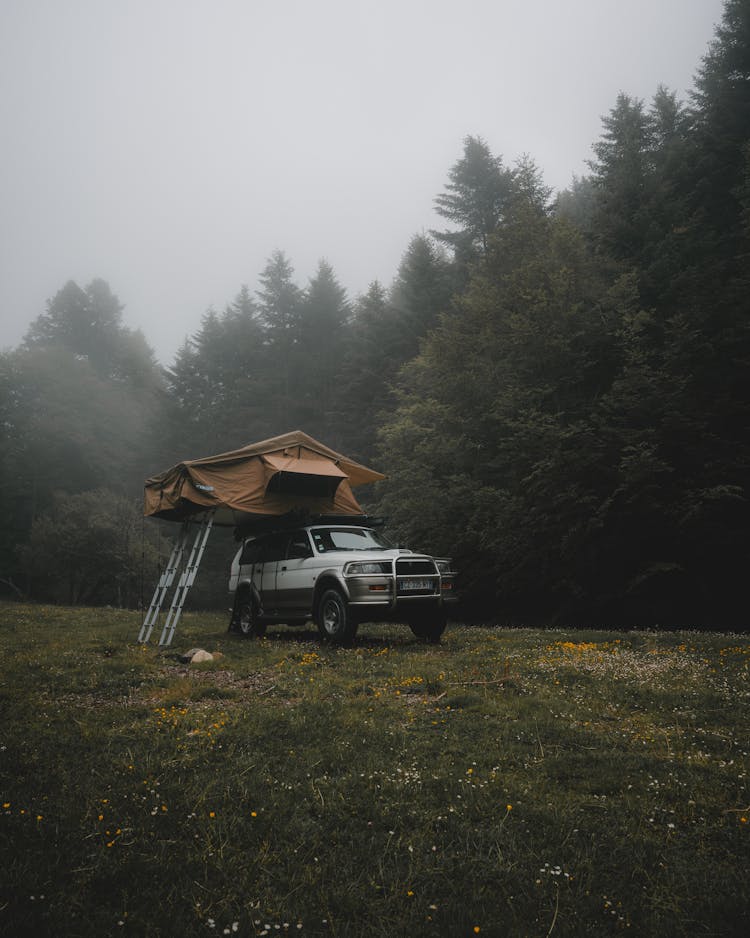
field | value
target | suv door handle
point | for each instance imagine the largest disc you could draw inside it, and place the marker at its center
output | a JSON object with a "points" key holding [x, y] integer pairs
{"points": [[283, 569]]}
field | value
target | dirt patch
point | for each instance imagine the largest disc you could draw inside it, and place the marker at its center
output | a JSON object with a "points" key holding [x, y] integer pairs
{"points": [[258, 682]]}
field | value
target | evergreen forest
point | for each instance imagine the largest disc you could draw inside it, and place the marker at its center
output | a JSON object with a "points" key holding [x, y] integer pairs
{"points": [[556, 385]]}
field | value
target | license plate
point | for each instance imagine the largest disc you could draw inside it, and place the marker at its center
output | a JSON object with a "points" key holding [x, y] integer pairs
{"points": [[416, 585]]}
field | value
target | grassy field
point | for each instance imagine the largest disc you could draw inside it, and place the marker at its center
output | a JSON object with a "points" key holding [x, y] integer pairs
{"points": [[505, 783]]}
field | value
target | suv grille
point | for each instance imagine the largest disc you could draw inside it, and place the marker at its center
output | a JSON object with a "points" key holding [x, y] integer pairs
{"points": [[417, 578], [415, 568]]}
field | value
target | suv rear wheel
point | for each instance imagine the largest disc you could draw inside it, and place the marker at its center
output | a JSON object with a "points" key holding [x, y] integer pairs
{"points": [[335, 623], [246, 617]]}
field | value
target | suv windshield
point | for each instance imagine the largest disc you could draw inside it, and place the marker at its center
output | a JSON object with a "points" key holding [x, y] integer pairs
{"points": [[327, 539]]}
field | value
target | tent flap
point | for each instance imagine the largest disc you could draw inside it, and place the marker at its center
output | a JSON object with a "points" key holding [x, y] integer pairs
{"points": [[288, 473]]}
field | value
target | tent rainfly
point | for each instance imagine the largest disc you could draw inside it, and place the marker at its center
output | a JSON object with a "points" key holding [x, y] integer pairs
{"points": [[273, 477], [286, 475]]}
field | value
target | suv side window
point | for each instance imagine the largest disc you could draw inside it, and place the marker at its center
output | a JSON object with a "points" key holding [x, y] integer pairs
{"points": [[250, 552], [323, 542], [274, 547], [299, 546]]}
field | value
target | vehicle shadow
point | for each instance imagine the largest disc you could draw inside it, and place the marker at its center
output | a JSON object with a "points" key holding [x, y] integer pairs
{"points": [[282, 635]]}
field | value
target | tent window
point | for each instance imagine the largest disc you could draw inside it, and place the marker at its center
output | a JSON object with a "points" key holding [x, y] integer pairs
{"points": [[298, 483]]}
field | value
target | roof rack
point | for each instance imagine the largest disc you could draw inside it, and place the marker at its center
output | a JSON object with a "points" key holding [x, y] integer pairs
{"points": [[299, 517], [369, 521]]}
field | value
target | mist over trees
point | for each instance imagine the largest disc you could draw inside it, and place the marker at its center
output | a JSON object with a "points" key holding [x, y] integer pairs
{"points": [[557, 388]]}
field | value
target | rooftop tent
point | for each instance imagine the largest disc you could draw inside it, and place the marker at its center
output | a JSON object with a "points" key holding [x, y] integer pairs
{"points": [[261, 480]]}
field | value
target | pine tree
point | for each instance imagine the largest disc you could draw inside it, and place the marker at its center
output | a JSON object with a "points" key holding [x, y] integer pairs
{"points": [[490, 455], [370, 361], [621, 175], [475, 200], [421, 291], [88, 323], [324, 320], [279, 310], [721, 128]]}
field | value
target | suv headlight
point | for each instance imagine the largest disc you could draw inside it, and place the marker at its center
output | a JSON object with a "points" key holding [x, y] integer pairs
{"points": [[367, 567], [444, 566]]}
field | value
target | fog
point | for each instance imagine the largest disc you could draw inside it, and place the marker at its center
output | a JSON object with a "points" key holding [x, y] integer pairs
{"points": [[170, 146]]}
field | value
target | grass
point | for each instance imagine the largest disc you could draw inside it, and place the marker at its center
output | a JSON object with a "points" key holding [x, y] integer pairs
{"points": [[505, 783]]}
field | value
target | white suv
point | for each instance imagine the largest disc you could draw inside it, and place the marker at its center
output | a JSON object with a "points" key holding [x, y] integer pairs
{"points": [[339, 575]]}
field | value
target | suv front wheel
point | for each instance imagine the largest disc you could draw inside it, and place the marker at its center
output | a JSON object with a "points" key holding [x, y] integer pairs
{"points": [[334, 620], [428, 625]]}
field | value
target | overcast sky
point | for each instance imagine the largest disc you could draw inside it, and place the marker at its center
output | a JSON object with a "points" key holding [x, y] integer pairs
{"points": [[169, 146]]}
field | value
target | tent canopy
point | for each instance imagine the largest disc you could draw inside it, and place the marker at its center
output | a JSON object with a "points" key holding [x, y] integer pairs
{"points": [[287, 473]]}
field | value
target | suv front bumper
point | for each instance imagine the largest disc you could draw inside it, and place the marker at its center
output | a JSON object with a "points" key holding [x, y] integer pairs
{"points": [[398, 592]]}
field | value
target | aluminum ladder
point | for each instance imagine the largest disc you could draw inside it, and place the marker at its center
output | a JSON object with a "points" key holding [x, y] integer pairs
{"points": [[191, 562]]}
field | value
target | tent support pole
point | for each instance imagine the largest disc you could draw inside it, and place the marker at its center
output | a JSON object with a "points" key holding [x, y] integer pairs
{"points": [[187, 579]]}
